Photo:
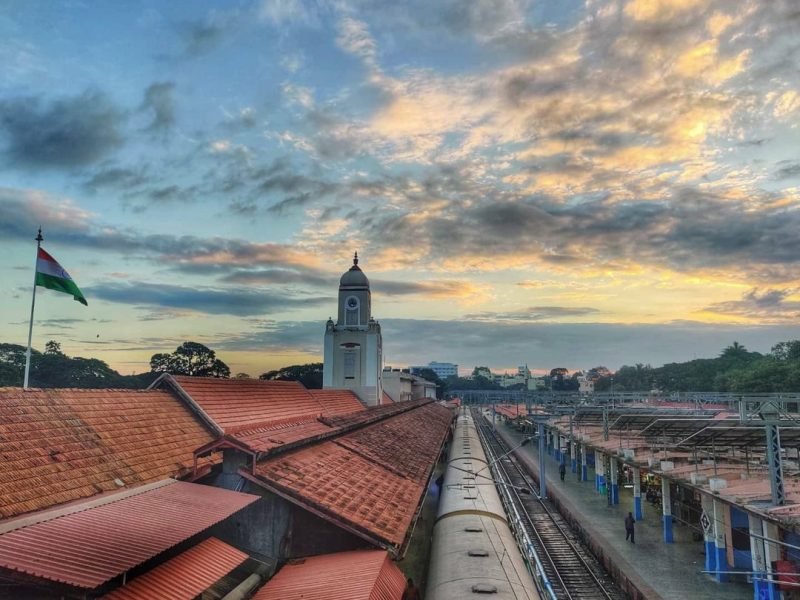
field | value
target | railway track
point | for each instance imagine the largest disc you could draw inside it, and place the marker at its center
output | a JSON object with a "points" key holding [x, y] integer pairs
{"points": [[572, 571]]}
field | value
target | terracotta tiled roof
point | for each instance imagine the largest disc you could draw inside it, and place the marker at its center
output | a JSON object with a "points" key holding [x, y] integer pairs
{"points": [[353, 489], [184, 577], [263, 439], [89, 543], [337, 402], [244, 404], [357, 575], [371, 480], [372, 413], [236, 404], [62, 445], [386, 399], [396, 443]]}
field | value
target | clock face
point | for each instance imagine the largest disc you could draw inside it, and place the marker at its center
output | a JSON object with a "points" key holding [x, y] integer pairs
{"points": [[352, 302]]}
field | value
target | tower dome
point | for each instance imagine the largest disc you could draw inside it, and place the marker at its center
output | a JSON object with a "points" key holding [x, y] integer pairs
{"points": [[354, 278]]}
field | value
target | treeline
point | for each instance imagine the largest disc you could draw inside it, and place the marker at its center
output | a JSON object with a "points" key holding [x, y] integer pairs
{"points": [[736, 369], [54, 369]]}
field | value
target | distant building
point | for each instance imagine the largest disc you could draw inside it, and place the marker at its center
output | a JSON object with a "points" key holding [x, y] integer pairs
{"points": [[443, 370], [402, 386], [585, 384]]}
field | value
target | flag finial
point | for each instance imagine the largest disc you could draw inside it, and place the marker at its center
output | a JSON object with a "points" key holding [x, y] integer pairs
{"points": [[39, 237]]}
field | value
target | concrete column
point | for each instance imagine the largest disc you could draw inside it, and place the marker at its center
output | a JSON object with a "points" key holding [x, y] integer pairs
{"points": [[760, 587], [637, 494], [666, 512], [614, 480], [707, 502], [573, 455], [599, 472], [584, 463], [721, 562], [772, 552]]}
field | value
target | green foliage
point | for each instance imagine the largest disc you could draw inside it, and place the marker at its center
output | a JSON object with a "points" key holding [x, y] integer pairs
{"points": [[309, 375], [53, 369], [430, 375], [190, 358], [736, 369], [478, 382]]}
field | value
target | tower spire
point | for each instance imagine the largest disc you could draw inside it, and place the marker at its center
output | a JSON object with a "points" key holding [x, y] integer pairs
{"points": [[355, 258]]}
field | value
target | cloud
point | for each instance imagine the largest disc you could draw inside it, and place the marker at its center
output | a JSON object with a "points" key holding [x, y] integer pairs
{"points": [[215, 301], [116, 177], [202, 36], [788, 170], [535, 313], [62, 133], [159, 103], [465, 342], [763, 306]]}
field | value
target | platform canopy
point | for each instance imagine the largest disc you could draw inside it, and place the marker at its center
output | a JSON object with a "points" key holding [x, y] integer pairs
{"points": [[739, 435]]}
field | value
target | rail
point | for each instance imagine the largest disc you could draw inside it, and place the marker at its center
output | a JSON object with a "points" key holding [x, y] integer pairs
{"points": [[564, 569]]}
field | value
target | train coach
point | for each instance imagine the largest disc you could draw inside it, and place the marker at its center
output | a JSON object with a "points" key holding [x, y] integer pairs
{"points": [[473, 551]]}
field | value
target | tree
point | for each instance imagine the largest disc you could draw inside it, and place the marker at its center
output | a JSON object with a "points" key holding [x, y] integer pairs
{"points": [[787, 350], [53, 348], [557, 376], [310, 375], [190, 358], [430, 375]]}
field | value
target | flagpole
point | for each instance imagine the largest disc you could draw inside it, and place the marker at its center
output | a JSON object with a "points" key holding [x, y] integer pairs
{"points": [[39, 239]]}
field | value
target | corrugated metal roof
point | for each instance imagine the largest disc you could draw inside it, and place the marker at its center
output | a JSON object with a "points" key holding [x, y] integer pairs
{"points": [[370, 480], [357, 575], [242, 404], [185, 576], [62, 445], [87, 547]]}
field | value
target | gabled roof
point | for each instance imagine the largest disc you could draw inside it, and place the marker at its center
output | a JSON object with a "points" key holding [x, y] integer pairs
{"points": [[234, 405], [369, 481], [337, 402], [86, 544], [356, 575], [61, 445], [186, 576]]}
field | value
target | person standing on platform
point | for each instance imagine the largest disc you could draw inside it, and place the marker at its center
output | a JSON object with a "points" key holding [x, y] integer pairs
{"points": [[412, 591], [562, 470], [629, 532]]}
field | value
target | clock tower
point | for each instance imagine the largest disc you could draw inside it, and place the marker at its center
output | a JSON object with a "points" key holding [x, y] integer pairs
{"points": [[353, 345]]}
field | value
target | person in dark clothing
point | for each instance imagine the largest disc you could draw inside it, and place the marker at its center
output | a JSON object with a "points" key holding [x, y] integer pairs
{"points": [[562, 470], [629, 532], [412, 591]]}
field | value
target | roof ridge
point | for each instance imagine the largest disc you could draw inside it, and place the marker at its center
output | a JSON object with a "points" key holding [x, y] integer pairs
{"points": [[176, 388]]}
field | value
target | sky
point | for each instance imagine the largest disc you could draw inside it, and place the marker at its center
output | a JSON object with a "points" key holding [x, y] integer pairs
{"points": [[558, 183]]}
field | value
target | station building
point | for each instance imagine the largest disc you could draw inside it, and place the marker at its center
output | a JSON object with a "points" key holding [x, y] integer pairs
{"points": [[202, 486]]}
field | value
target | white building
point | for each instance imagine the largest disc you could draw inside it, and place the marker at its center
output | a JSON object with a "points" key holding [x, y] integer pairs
{"points": [[353, 354], [443, 370]]}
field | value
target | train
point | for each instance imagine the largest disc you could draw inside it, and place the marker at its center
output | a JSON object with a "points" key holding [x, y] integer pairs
{"points": [[473, 550]]}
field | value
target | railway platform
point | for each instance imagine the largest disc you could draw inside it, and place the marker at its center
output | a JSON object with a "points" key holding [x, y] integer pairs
{"points": [[650, 567]]}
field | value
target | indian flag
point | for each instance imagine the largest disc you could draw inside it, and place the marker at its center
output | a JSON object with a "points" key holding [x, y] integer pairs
{"points": [[51, 275]]}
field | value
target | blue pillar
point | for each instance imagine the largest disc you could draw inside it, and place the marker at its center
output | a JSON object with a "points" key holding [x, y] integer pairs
{"points": [[542, 462], [637, 495], [711, 555], [721, 516], [574, 465], [614, 468], [721, 565], [666, 503], [584, 464]]}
